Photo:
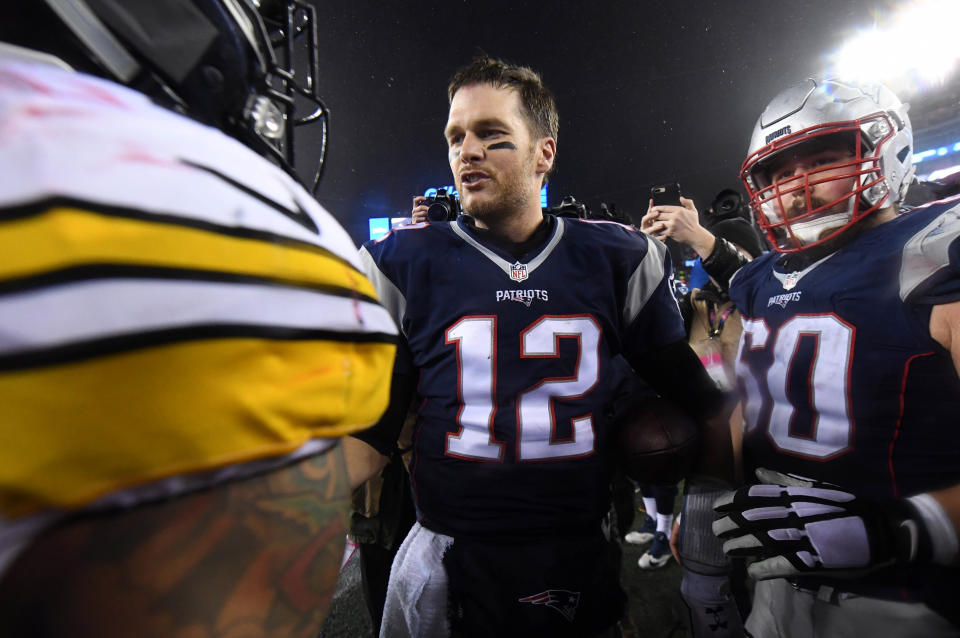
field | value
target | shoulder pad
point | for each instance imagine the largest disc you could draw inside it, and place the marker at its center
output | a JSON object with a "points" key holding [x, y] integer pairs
{"points": [[645, 279], [388, 294], [928, 252]]}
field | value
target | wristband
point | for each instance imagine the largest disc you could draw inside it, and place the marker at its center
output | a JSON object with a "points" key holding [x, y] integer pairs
{"points": [[943, 535]]}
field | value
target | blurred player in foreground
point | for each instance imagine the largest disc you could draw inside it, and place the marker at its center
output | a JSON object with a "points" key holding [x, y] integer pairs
{"points": [[184, 332]]}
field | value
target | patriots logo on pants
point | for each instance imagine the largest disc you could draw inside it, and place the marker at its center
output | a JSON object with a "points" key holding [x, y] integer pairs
{"points": [[560, 599]]}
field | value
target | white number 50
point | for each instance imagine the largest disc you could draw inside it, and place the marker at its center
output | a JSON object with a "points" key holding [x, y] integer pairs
{"points": [[826, 380]]}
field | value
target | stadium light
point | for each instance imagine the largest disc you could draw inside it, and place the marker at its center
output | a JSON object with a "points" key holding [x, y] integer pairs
{"points": [[948, 149], [873, 54]]}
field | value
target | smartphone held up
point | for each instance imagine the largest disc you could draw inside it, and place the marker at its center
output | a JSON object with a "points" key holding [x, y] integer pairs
{"points": [[666, 194]]}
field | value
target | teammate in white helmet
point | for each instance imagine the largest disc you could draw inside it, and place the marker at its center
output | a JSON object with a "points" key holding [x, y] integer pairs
{"points": [[848, 361]]}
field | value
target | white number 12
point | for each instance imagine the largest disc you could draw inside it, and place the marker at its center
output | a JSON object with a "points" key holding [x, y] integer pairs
{"points": [[475, 339]]}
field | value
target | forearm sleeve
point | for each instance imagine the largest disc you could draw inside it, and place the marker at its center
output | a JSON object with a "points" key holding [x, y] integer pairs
{"points": [[675, 372], [723, 262]]}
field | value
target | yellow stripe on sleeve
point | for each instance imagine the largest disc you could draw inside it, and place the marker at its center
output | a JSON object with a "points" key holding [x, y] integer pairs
{"points": [[77, 431], [63, 237]]}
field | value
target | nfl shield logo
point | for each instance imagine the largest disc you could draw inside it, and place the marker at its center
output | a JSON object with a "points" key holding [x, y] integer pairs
{"points": [[791, 280], [518, 272]]}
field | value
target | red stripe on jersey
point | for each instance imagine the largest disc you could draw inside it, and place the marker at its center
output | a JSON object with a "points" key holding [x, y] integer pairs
{"points": [[896, 431]]}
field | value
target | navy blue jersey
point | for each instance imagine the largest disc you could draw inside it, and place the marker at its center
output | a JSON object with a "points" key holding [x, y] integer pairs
{"points": [[515, 365], [842, 380]]}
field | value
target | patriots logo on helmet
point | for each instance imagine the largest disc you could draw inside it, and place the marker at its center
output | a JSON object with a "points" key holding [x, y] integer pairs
{"points": [[564, 601]]}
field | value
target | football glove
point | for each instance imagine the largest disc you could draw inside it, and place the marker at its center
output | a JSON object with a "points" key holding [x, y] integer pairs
{"points": [[797, 527]]}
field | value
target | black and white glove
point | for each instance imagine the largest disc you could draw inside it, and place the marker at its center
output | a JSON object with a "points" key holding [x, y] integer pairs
{"points": [[796, 527]]}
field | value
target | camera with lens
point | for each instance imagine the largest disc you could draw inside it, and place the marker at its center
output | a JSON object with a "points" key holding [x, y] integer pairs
{"points": [[442, 207], [569, 207], [729, 203]]}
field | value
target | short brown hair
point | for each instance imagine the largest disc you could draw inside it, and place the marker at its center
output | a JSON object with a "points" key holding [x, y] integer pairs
{"points": [[537, 103]]}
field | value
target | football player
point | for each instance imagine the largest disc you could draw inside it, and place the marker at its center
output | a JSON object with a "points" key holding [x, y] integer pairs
{"points": [[510, 323], [184, 332], [848, 361]]}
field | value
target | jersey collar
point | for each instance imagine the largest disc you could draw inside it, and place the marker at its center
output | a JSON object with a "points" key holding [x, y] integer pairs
{"points": [[519, 269]]}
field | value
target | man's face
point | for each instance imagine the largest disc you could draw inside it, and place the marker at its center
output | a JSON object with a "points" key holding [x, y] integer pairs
{"points": [[497, 165], [822, 167]]}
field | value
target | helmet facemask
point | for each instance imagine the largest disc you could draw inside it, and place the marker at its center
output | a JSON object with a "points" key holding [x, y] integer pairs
{"points": [[247, 67], [799, 210], [283, 37]]}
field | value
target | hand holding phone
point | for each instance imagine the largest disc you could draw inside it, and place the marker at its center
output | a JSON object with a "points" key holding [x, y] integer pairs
{"points": [[666, 194], [681, 224]]}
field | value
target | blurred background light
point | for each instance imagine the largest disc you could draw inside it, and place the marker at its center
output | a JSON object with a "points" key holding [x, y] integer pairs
{"points": [[915, 48]]}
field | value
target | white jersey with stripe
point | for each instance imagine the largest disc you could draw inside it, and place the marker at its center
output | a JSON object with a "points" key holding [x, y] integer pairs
{"points": [[173, 307]]}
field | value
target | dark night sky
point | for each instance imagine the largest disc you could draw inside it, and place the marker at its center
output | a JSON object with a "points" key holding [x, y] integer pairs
{"points": [[647, 91]]}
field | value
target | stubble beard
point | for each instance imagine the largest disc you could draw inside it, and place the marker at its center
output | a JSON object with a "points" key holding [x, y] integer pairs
{"points": [[490, 211], [512, 197], [799, 207], [809, 255]]}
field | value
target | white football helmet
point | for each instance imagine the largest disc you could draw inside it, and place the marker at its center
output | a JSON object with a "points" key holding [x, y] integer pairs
{"points": [[867, 120], [247, 67]]}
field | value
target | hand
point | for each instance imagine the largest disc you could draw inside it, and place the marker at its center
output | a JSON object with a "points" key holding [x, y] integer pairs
{"points": [[680, 223], [419, 212], [797, 527]]}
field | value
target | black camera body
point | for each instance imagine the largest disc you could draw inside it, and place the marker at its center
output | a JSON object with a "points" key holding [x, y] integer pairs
{"points": [[442, 207], [729, 203], [569, 207]]}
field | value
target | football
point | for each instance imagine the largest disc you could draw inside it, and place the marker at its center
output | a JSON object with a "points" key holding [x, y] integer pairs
{"points": [[658, 442]]}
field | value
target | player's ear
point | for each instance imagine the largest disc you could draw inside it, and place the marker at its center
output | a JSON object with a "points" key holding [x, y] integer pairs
{"points": [[546, 151]]}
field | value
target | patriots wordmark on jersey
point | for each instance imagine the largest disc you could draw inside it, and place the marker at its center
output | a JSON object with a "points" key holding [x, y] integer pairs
{"points": [[514, 363]]}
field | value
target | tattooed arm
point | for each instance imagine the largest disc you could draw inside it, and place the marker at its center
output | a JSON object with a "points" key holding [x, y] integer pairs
{"points": [[255, 557]]}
